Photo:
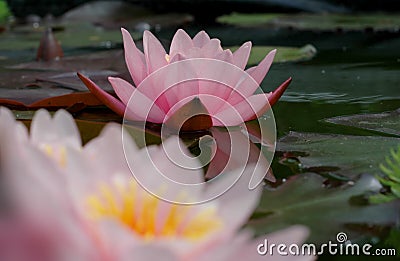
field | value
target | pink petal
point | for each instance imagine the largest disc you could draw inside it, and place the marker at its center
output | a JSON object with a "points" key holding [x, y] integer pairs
{"points": [[241, 56], [161, 175], [275, 95], [38, 184], [176, 163], [108, 100], [134, 58], [217, 78], [238, 194], [61, 129], [248, 109], [194, 52], [42, 128], [212, 48], [150, 252], [177, 57], [201, 39], [108, 149], [66, 128], [162, 86], [211, 101], [179, 92], [184, 89], [181, 42], [139, 104], [259, 72], [225, 56], [154, 52], [245, 87], [231, 154], [225, 158], [122, 88]]}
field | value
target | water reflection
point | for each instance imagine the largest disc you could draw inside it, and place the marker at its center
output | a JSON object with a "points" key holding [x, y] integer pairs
{"points": [[246, 148]]}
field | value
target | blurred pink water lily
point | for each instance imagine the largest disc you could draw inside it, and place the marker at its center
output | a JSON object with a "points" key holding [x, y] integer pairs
{"points": [[82, 203], [194, 70]]}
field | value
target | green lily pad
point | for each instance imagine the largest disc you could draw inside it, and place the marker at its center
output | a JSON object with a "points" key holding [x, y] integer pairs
{"points": [[326, 211], [247, 19], [283, 54], [344, 155], [386, 122], [318, 22]]}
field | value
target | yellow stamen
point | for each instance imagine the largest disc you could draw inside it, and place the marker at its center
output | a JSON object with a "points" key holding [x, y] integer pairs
{"points": [[139, 210], [167, 57], [57, 153]]}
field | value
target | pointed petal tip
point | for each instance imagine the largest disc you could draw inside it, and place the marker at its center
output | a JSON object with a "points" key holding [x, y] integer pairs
{"points": [[125, 34], [181, 31], [278, 92], [147, 33], [272, 53], [107, 99], [248, 43], [202, 32], [81, 76]]}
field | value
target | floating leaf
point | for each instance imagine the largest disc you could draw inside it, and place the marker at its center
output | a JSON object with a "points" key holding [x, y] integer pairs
{"points": [[343, 155], [304, 200], [111, 60], [70, 80], [61, 101], [318, 22], [26, 97], [248, 19], [283, 54], [386, 122]]}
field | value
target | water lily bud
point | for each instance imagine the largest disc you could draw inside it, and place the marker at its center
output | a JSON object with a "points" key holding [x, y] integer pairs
{"points": [[49, 48]]}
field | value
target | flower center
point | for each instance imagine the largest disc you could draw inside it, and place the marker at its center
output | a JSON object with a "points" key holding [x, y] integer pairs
{"points": [[150, 217], [167, 57]]}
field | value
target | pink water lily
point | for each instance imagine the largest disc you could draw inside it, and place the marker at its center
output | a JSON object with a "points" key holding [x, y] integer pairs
{"points": [[197, 69], [81, 203]]}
